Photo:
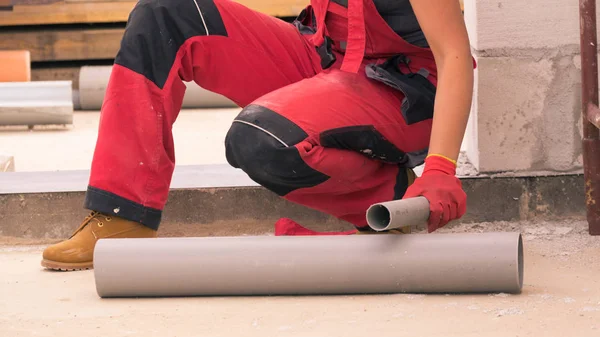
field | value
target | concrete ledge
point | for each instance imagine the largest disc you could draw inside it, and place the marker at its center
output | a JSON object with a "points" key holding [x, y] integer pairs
{"points": [[199, 207], [189, 176]]}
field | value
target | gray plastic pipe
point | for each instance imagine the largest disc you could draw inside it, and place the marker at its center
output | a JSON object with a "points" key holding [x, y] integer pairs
{"points": [[398, 213], [295, 265], [93, 81], [36, 103]]}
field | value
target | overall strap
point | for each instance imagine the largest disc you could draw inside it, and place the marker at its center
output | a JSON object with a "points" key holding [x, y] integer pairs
{"points": [[321, 13], [355, 47]]}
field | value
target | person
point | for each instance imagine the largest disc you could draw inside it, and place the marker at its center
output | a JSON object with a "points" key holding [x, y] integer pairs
{"points": [[338, 107]]}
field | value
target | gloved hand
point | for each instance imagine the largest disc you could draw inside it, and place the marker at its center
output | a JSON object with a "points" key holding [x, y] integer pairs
{"points": [[443, 190]]}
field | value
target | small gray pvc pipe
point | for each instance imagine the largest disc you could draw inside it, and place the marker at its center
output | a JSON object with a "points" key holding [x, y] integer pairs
{"points": [[292, 265], [398, 213], [93, 81]]}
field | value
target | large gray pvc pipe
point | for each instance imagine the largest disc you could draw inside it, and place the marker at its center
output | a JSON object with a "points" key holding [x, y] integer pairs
{"points": [[289, 265], [398, 213], [36, 103], [93, 81]]}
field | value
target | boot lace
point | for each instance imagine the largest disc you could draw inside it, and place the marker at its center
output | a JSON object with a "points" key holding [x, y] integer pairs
{"points": [[93, 216]]}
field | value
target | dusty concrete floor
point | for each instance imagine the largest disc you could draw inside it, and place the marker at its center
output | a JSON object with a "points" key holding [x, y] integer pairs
{"points": [[561, 297]]}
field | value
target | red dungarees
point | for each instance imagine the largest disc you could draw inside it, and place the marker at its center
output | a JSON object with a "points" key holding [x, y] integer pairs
{"points": [[361, 129]]}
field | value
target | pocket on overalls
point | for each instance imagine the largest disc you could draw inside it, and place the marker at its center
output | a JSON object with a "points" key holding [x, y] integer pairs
{"points": [[419, 93]]}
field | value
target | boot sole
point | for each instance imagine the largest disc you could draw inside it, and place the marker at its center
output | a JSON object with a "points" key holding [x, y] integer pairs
{"points": [[67, 266]]}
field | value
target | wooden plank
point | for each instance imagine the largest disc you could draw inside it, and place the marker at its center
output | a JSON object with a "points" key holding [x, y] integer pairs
{"points": [[61, 13], [76, 11], [34, 2], [80, 1], [57, 74], [65, 44], [278, 8]]}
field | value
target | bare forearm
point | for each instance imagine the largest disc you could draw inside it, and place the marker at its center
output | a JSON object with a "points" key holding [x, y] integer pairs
{"points": [[443, 24], [452, 103]]}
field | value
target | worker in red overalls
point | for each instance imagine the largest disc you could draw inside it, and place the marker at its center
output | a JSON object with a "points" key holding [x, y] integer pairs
{"points": [[338, 107]]}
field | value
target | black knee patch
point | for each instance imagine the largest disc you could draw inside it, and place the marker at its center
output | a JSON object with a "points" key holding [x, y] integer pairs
{"points": [[156, 29], [261, 143]]}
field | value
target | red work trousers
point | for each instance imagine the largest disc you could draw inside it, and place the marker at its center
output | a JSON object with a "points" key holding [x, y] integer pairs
{"points": [[330, 140]]}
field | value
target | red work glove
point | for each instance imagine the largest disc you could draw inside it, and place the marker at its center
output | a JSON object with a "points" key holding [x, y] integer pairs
{"points": [[440, 186]]}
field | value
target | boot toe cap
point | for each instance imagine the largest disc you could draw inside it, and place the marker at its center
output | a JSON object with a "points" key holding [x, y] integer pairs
{"points": [[68, 252]]}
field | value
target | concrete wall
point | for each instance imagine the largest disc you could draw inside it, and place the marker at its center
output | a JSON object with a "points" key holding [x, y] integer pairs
{"points": [[526, 108]]}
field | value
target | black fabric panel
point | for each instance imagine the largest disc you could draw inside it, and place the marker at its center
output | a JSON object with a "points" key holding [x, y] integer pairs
{"points": [[156, 29], [401, 183], [273, 122], [366, 140], [419, 93], [107, 202], [269, 163]]}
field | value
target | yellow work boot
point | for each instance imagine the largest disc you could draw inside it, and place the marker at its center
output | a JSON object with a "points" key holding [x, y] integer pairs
{"points": [[77, 252], [411, 176]]}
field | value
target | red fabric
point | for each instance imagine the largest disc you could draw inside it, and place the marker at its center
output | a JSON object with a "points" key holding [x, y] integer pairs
{"points": [[356, 36], [367, 35], [335, 99], [288, 227], [438, 183], [265, 61], [134, 156]]}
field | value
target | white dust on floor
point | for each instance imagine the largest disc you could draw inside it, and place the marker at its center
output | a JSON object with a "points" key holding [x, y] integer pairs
{"points": [[561, 297]]}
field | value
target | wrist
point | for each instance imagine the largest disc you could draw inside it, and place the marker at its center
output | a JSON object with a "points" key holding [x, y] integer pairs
{"points": [[436, 163]]}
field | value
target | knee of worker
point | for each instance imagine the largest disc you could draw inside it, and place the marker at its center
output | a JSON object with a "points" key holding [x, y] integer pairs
{"points": [[182, 15], [264, 149], [156, 30]]}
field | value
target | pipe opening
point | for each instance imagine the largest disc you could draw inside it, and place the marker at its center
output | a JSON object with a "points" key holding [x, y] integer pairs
{"points": [[520, 266], [378, 217]]}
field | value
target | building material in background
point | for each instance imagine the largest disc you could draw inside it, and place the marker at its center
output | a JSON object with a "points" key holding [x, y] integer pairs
{"points": [[74, 12], [67, 13], [64, 44], [590, 113], [6, 5], [57, 73], [15, 65], [311, 265], [93, 81], [7, 163], [36, 103]]}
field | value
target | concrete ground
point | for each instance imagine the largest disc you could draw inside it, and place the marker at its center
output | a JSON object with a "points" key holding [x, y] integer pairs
{"points": [[199, 139], [561, 297], [199, 136]]}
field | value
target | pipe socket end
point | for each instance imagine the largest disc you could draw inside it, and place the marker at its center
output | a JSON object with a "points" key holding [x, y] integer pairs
{"points": [[520, 261]]}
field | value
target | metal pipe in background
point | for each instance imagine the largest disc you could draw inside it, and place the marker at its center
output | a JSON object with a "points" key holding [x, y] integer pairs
{"points": [[93, 81], [590, 113], [398, 213], [309, 265]]}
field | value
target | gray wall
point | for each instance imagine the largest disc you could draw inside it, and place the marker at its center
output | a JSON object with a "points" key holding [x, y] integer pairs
{"points": [[526, 108]]}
